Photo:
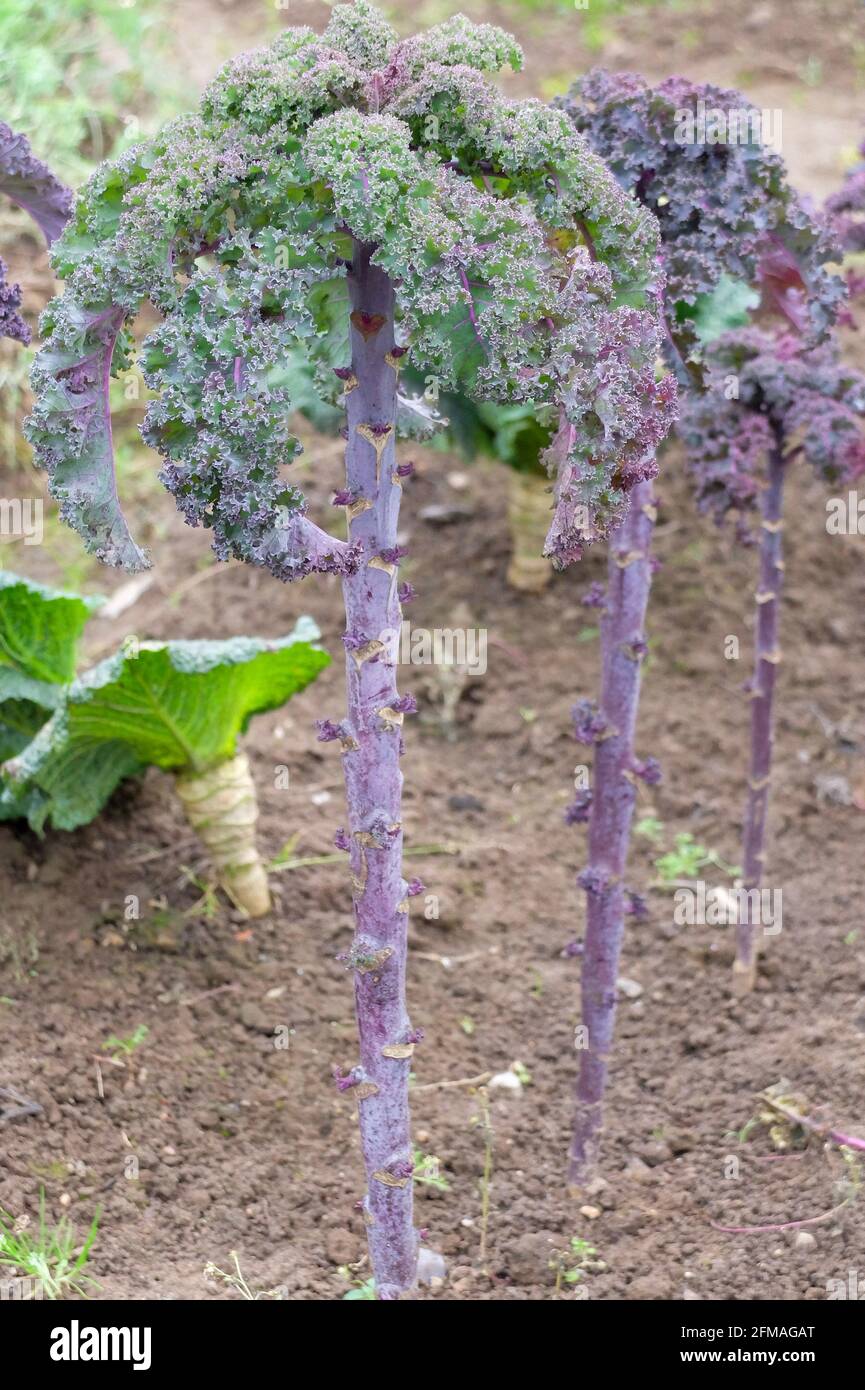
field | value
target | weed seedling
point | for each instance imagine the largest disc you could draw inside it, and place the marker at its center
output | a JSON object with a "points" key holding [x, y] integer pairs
{"points": [[126, 1046], [48, 1254]]}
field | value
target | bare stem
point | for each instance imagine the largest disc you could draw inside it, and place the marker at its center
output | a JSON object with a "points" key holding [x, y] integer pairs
{"points": [[487, 1175], [766, 663], [613, 797], [372, 745]]}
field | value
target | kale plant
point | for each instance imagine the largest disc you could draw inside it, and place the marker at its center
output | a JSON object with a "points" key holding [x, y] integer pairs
{"points": [[368, 201], [771, 400], [697, 155], [733, 233]]}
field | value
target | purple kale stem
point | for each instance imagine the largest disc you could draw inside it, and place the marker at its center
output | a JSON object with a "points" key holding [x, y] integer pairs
{"points": [[613, 797], [374, 789], [767, 658]]}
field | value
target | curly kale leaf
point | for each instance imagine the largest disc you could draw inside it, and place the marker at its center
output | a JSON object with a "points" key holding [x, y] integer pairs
{"points": [[30, 184], [511, 250], [764, 390], [697, 157]]}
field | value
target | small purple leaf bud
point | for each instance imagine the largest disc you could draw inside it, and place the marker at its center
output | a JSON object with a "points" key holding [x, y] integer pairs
{"points": [[592, 881], [415, 887], [636, 906], [328, 731], [649, 771], [393, 554], [578, 811], [406, 704], [636, 650], [404, 470], [341, 840], [595, 596], [406, 592], [589, 722]]}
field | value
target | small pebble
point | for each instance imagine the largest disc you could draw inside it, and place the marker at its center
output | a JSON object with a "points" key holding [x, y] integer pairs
{"points": [[630, 988], [431, 1267], [252, 1016], [506, 1081]]}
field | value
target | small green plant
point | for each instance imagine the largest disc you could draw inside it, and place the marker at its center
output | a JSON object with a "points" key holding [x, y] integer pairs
{"points": [[650, 828], [522, 1073], [572, 1265], [207, 906], [427, 1170], [48, 1254], [362, 1290], [126, 1046], [688, 858], [744, 1134], [238, 1282]]}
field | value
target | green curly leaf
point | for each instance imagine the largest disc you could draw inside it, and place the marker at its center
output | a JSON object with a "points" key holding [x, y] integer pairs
{"points": [[523, 275]]}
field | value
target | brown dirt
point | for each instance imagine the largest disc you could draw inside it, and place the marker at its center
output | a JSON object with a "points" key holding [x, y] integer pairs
{"points": [[242, 1145]]}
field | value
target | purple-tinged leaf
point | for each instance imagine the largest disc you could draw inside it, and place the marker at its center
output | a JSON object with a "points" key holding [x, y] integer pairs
{"points": [[31, 184]]}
